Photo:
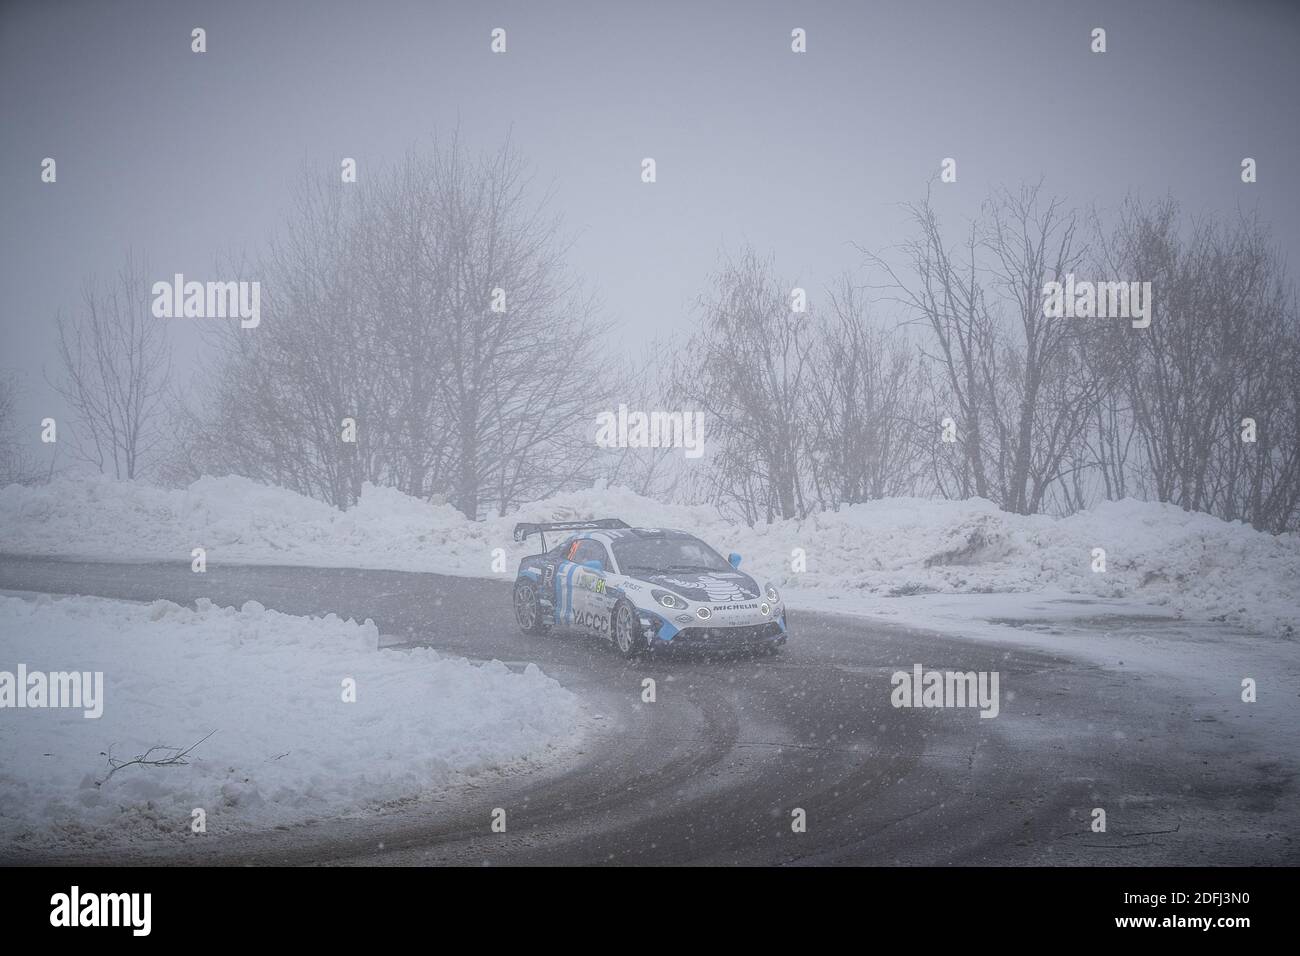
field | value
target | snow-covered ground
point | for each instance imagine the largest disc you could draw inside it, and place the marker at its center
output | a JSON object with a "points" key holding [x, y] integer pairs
{"points": [[269, 687], [868, 558], [290, 750]]}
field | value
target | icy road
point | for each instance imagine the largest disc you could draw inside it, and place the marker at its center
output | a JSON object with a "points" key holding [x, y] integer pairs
{"points": [[733, 753]]}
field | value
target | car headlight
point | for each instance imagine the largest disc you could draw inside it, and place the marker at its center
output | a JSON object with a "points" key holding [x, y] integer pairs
{"points": [[773, 594], [703, 613], [668, 599]]}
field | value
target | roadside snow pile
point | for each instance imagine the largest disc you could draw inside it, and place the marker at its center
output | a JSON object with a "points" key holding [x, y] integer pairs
{"points": [[234, 518], [285, 747], [1190, 564], [242, 521]]}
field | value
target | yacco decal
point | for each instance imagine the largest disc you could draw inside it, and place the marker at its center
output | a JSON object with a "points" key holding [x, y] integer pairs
{"points": [[592, 621]]}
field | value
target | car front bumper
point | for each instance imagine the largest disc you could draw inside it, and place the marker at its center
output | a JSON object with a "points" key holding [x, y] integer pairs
{"points": [[744, 635], [662, 632]]}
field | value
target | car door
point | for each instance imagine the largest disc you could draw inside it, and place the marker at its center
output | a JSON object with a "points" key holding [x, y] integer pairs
{"points": [[591, 601], [565, 569]]}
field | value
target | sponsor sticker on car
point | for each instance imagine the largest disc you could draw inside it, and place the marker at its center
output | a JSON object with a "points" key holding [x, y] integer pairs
{"points": [[746, 612]]}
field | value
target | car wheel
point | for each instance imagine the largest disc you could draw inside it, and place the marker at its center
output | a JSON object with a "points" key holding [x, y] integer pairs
{"points": [[627, 630], [528, 609]]}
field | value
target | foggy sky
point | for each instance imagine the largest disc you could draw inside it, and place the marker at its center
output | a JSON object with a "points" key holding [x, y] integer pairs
{"points": [[186, 157]]}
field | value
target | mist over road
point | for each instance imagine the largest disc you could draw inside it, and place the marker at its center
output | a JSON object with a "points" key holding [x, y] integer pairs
{"points": [[711, 771]]}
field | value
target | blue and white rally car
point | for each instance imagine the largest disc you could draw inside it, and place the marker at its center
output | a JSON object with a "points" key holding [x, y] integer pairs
{"points": [[643, 589]]}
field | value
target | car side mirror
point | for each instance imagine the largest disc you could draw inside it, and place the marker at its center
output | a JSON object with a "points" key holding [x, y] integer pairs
{"points": [[734, 558], [593, 565]]}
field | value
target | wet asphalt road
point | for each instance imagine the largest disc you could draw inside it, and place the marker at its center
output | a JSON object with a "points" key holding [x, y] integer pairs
{"points": [[711, 772]]}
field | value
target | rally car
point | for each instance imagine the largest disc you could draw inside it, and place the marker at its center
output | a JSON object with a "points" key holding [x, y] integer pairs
{"points": [[643, 589]]}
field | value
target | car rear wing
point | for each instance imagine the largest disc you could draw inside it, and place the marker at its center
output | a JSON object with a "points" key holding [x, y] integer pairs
{"points": [[526, 529]]}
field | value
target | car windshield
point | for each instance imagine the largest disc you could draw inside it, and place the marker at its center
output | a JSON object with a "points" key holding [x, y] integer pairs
{"points": [[635, 553]]}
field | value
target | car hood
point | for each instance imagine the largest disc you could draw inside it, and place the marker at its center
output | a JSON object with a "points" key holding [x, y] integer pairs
{"points": [[709, 587]]}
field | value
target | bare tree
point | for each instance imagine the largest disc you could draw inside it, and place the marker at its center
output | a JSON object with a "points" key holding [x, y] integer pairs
{"points": [[277, 397], [946, 293], [863, 411], [521, 346], [432, 307], [661, 473], [115, 370], [16, 464], [1019, 404], [1033, 242], [1221, 348], [749, 369]]}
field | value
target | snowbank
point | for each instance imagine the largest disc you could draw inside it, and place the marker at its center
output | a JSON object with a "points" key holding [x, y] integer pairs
{"points": [[286, 746], [1188, 564]]}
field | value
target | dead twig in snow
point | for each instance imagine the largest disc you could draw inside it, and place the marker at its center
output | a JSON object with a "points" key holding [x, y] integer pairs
{"points": [[174, 757]]}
